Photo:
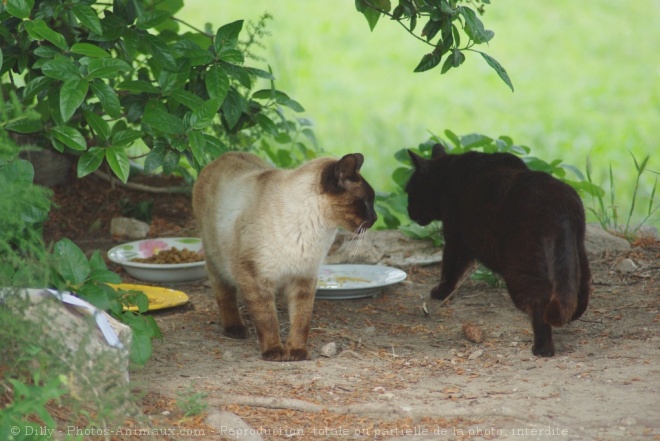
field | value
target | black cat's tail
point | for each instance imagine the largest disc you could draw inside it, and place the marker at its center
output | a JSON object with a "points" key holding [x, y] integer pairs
{"points": [[564, 273]]}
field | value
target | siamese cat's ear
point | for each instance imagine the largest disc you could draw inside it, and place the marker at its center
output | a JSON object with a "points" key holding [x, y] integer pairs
{"points": [[348, 167]]}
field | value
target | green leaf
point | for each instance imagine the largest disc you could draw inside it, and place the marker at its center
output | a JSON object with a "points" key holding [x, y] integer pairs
{"points": [[266, 123], [125, 137], [118, 162], [89, 50], [19, 8], [24, 125], [73, 93], [60, 68], [88, 17], [90, 161], [234, 56], [203, 115], [70, 137], [107, 97], [474, 28], [71, 262], [429, 61], [40, 28], [217, 82], [160, 52], [492, 62], [98, 124], [197, 143], [371, 14], [151, 19], [138, 86], [105, 67], [474, 140], [227, 36], [186, 98], [233, 106], [141, 348], [163, 121]]}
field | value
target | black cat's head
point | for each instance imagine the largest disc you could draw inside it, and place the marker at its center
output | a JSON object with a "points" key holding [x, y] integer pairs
{"points": [[423, 201], [351, 196]]}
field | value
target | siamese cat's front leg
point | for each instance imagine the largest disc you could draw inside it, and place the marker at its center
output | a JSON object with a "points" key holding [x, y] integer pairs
{"points": [[300, 296], [260, 302]]}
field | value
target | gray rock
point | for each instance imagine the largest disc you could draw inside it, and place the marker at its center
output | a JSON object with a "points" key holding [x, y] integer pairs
{"points": [[128, 227], [599, 241], [626, 266], [83, 346], [231, 426], [329, 349], [389, 247]]}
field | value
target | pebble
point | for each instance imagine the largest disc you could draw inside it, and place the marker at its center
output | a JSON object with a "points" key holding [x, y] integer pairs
{"points": [[329, 349], [476, 354], [626, 266], [128, 227], [231, 424]]}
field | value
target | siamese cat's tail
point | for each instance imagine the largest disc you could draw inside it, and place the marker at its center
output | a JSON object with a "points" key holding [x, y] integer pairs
{"points": [[564, 271]]}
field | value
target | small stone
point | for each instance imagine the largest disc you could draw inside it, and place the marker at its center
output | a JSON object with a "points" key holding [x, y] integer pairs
{"points": [[369, 330], [165, 412], [329, 349], [473, 333], [228, 356], [128, 227], [232, 425], [475, 354], [626, 266]]}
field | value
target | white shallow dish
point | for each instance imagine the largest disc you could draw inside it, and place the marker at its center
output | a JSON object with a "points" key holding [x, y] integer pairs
{"points": [[340, 282], [154, 272]]}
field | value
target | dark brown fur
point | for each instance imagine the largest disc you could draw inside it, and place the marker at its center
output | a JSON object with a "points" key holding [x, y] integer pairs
{"points": [[524, 225]]}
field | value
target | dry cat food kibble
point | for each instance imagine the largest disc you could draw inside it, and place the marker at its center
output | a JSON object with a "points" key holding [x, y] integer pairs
{"points": [[173, 255]]}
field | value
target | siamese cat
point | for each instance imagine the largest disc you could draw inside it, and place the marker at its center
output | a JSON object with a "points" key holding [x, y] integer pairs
{"points": [[267, 230], [524, 225]]}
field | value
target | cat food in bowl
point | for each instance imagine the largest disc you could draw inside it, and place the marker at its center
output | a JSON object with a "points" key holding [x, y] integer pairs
{"points": [[165, 260]]}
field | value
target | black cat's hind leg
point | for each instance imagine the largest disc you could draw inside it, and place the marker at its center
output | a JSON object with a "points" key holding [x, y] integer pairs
{"points": [[531, 294], [584, 289], [454, 264]]}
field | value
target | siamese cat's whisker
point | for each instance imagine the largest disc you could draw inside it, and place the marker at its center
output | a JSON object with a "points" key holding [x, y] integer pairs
{"points": [[356, 241]]}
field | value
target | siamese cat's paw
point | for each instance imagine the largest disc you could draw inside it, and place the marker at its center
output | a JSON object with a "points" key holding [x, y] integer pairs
{"points": [[236, 331]]}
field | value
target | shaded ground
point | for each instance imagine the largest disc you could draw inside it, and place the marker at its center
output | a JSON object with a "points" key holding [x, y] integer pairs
{"points": [[399, 371]]}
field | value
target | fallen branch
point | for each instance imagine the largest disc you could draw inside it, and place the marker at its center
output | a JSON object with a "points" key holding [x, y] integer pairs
{"points": [[140, 187]]}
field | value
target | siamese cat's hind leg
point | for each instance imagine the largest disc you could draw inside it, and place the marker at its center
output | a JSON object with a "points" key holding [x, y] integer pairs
{"points": [[225, 295]]}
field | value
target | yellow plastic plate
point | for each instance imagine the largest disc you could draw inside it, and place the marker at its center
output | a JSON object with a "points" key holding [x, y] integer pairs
{"points": [[159, 298]]}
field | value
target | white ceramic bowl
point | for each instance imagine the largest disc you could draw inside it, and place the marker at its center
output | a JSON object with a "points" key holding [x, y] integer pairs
{"points": [[155, 272]]}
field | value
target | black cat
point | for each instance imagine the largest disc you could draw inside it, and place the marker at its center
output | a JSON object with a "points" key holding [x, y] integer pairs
{"points": [[524, 225]]}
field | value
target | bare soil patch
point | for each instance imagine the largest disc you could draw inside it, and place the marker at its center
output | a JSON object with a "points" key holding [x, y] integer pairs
{"points": [[400, 372]]}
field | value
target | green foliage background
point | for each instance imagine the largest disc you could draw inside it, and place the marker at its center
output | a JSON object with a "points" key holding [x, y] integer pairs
{"points": [[585, 78]]}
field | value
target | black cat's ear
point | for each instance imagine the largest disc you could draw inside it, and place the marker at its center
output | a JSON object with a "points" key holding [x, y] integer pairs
{"points": [[349, 166], [417, 160], [437, 151]]}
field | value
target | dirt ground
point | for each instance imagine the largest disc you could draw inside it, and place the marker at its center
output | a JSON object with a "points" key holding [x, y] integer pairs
{"points": [[399, 372]]}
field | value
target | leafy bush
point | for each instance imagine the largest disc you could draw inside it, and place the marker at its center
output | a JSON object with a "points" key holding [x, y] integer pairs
{"points": [[392, 206], [445, 19], [105, 77]]}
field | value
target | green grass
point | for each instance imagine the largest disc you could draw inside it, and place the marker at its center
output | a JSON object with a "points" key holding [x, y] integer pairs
{"points": [[586, 81]]}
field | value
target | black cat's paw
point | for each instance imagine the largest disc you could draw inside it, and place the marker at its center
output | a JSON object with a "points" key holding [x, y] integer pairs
{"points": [[236, 331], [438, 293], [546, 349]]}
